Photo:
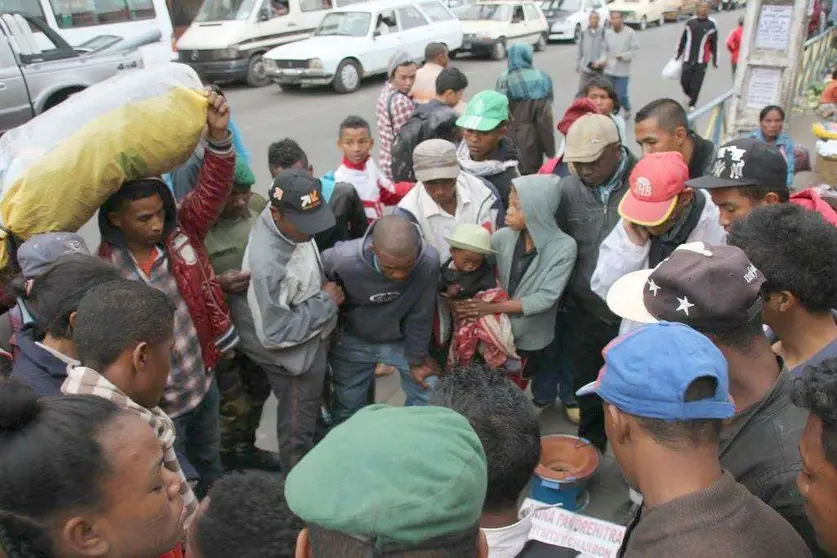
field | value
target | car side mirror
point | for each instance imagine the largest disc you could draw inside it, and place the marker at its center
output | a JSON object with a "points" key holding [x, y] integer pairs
{"points": [[264, 14]]}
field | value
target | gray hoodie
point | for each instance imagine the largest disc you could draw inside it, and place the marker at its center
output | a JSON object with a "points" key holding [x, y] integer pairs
{"points": [[544, 281], [590, 49], [621, 44], [379, 310]]}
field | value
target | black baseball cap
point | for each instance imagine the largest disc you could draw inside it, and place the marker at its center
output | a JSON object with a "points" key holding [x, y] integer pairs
{"points": [[709, 288], [300, 196], [745, 162]]}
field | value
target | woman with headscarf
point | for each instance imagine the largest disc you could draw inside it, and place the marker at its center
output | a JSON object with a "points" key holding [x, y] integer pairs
{"points": [[529, 91]]}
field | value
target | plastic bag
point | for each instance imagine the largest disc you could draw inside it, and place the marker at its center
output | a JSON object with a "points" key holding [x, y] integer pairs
{"points": [[672, 69], [824, 130], [61, 166]]}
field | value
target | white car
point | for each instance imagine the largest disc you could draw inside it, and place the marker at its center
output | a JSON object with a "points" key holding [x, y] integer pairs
{"points": [[568, 18], [357, 41], [640, 13], [490, 27]]}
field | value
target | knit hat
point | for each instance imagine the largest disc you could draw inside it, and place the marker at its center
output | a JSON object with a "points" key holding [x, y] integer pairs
{"points": [[400, 58], [578, 108], [394, 475], [244, 177]]}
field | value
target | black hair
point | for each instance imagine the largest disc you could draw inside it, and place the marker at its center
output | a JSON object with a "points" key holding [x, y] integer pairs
{"points": [[685, 434], [353, 123], [284, 154], [450, 79], [770, 108], [505, 422], [327, 543], [793, 247], [131, 191], [56, 293], [432, 50], [602, 82], [741, 339], [116, 316], [757, 193], [21, 537], [834, 73], [51, 458], [668, 113], [247, 516], [816, 392]]}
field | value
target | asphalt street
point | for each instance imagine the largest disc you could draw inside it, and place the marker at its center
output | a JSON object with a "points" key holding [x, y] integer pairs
{"points": [[311, 116]]}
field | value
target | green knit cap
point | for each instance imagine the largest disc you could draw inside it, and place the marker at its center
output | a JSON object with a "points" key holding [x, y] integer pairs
{"points": [[244, 177], [401, 475]]}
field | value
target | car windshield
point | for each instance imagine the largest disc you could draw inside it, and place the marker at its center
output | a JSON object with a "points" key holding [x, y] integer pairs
{"points": [[224, 10], [562, 5], [487, 12], [347, 24]]}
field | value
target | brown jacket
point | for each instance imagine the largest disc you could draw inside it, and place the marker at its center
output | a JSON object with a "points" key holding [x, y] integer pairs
{"points": [[532, 130]]}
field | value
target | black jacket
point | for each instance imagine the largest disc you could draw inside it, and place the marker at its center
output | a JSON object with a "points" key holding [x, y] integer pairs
{"points": [[36, 367], [699, 42], [433, 120], [703, 157]]}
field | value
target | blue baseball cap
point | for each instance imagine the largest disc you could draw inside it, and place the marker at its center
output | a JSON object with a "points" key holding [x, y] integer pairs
{"points": [[648, 371]]}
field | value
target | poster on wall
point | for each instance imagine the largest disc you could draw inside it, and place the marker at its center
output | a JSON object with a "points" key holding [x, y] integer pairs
{"points": [[773, 30], [763, 87]]}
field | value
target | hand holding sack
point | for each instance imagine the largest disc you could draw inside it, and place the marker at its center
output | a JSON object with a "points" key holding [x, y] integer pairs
{"points": [[60, 167]]}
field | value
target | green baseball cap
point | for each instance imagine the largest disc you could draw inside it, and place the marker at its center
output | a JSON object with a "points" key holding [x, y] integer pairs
{"points": [[395, 475], [486, 111], [243, 179]]}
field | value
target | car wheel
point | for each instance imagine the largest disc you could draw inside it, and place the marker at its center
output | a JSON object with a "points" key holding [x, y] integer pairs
{"points": [[577, 33], [347, 77], [643, 23], [256, 76], [541, 44], [498, 51], [290, 86]]}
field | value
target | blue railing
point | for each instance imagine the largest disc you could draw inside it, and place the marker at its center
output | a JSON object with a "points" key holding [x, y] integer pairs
{"points": [[716, 110]]}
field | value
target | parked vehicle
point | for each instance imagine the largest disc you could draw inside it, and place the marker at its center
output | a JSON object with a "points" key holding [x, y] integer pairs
{"points": [[490, 26], [357, 42], [39, 69], [79, 22], [640, 13], [675, 10], [228, 38], [568, 18], [459, 7]]}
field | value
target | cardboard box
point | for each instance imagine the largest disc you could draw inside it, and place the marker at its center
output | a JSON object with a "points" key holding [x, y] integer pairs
{"points": [[827, 170]]}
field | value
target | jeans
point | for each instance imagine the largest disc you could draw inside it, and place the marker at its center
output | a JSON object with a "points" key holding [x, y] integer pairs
{"points": [[620, 84], [590, 336], [556, 380], [299, 398], [353, 362], [198, 443]]}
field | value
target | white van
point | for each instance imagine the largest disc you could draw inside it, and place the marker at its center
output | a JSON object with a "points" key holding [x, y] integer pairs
{"points": [[227, 39]]}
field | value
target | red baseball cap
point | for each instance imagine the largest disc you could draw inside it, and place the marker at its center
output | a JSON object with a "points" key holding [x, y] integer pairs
{"points": [[656, 182]]}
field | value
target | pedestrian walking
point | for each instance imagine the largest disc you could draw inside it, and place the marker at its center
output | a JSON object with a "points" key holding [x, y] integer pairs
{"points": [[619, 48], [698, 45], [394, 106], [529, 91], [590, 51], [734, 44]]}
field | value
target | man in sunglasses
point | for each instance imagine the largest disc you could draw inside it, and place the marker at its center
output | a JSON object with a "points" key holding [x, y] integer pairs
{"points": [[659, 213]]}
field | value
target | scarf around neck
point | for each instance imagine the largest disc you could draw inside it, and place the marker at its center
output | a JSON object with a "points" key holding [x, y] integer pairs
{"points": [[487, 168]]}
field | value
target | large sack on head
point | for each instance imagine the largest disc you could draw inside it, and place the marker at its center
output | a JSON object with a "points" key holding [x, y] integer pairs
{"points": [[61, 166]]}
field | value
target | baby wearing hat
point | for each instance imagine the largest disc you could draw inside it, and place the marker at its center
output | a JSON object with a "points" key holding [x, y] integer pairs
{"points": [[471, 272]]}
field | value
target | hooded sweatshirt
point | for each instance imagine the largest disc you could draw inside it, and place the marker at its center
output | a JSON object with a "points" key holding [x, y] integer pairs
{"points": [[379, 310], [291, 314], [543, 283]]}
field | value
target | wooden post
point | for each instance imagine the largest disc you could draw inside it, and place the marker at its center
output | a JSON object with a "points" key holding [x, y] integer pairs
{"points": [[770, 60]]}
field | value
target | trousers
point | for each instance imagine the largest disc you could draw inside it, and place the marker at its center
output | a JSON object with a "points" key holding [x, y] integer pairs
{"points": [[244, 389], [198, 443], [691, 80]]}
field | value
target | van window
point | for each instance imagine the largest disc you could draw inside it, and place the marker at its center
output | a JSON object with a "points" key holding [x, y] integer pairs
{"points": [[314, 5], [410, 18], [274, 8], [25, 7], [531, 12], [70, 14], [225, 10], [518, 14], [385, 24], [436, 12]]}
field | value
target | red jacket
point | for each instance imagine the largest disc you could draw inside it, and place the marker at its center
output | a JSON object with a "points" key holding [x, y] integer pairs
{"points": [[186, 229], [734, 43]]}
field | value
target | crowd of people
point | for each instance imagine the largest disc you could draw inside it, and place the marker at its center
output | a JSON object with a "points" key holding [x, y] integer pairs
{"points": [[679, 307]]}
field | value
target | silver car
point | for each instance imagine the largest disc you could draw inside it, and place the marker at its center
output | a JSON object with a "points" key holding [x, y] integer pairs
{"points": [[38, 69]]}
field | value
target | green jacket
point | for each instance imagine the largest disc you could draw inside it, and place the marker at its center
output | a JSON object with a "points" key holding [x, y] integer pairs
{"points": [[543, 283], [228, 238]]}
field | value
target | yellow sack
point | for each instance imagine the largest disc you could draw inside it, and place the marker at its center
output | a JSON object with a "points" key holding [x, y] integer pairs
{"points": [[824, 130], [59, 168]]}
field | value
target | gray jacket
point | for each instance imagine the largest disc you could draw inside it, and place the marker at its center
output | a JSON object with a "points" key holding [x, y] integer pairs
{"points": [[590, 49], [542, 285], [621, 44], [292, 316], [587, 220]]}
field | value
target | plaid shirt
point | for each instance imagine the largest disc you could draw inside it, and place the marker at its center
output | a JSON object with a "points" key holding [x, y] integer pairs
{"points": [[189, 381], [84, 381], [393, 111]]}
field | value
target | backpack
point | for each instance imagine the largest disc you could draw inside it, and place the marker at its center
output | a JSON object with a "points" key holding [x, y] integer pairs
{"points": [[422, 126]]}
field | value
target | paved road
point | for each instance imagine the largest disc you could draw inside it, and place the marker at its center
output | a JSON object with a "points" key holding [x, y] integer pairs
{"points": [[311, 116]]}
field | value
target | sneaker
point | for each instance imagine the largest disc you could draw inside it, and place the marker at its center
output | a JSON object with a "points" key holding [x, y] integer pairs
{"points": [[573, 414], [540, 408], [251, 457], [383, 370]]}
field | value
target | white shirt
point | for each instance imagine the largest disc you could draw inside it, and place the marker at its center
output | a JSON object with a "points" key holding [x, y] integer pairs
{"points": [[474, 205], [58, 354], [367, 183]]}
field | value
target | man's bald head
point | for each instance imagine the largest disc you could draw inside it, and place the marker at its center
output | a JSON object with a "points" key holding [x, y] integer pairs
{"points": [[395, 236]]}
